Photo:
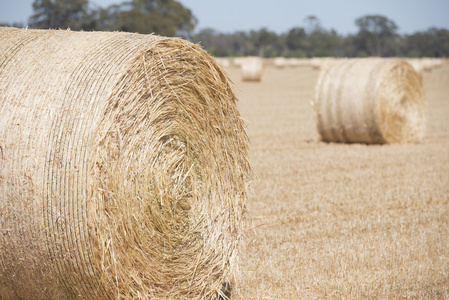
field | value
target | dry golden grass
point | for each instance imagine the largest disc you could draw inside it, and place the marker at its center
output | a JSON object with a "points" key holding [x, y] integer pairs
{"points": [[342, 221]]}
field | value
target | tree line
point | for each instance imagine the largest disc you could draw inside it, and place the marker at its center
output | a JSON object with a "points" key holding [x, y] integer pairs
{"points": [[376, 35]]}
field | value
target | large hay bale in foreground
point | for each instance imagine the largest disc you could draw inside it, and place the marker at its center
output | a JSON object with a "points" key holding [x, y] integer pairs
{"points": [[252, 69], [370, 101], [123, 167]]}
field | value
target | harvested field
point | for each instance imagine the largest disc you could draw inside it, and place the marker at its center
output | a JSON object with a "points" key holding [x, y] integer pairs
{"points": [[341, 221]]}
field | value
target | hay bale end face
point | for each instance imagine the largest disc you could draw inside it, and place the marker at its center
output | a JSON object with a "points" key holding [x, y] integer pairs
{"points": [[123, 167], [370, 101]]}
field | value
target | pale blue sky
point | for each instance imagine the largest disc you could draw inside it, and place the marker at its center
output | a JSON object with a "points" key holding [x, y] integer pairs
{"points": [[282, 15]]}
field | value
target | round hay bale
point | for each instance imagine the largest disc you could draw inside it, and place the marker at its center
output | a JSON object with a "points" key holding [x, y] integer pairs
{"points": [[237, 61], [280, 62], [370, 101], [316, 62], [252, 69], [123, 167], [298, 62], [292, 62], [224, 62], [423, 65]]}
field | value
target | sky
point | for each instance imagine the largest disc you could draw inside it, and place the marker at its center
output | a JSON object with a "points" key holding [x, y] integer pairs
{"points": [[281, 15]]}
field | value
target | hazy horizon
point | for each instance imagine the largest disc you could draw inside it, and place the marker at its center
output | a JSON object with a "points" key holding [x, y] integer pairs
{"points": [[282, 15]]}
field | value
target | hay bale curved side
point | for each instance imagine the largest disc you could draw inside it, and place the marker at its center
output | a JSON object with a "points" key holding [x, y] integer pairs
{"points": [[252, 69], [124, 167], [370, 101]]}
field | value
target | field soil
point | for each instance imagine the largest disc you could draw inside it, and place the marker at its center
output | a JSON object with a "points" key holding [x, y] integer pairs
{"points": [[341, 221]]}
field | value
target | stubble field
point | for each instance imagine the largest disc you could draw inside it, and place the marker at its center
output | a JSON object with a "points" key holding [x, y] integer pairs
{"points": [[341, 221]]}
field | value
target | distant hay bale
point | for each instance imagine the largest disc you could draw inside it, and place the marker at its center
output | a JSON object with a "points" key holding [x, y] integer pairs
{"points": [[422, 65], [370, 101], [316, 62], [298, 62], [320, 63], [238, 61], [431, 63], [224, 62], [123, 167], [292, 62], [252, 69], [280, 62]]}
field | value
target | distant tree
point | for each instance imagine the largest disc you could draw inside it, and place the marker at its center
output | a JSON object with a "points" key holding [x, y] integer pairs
{"points": [[440, 41], [106, 18], [74, 14], [316, 41], [325, 43], [312, 24], [14, 24], [416, 45], [262, 39], [163, 17], [242, 44], [207, 38], [431, 43], [349, 46], [376, 35], [217, 44], [296, 39]]}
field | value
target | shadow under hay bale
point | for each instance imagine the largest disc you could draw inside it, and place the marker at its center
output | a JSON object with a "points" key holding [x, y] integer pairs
{"points": [[370, 101], [123, 167]]}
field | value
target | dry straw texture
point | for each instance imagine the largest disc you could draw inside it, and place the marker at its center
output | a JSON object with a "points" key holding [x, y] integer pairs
{"points": [[124, 167], [370, 101], [252, 69]]}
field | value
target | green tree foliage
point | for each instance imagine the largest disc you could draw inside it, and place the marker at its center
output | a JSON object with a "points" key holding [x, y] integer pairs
{"points": [[255, 43], [440, 42], [264, 41], [163, 17], [324, 43], [432, 43], [296, 42], [73, 14], [318, 42], [217, 44], [312, 24], [376, 35]]}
